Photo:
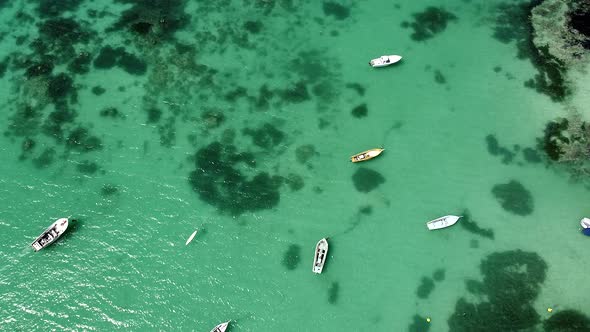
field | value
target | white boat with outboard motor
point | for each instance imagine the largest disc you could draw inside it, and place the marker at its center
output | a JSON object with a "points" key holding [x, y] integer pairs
{"points": [[585, 222], [321, 253], [442, 222], [51, 234], [221, 327], [385, 60]]}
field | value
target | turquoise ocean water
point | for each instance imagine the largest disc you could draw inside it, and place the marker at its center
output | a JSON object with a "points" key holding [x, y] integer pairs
{"points": [[147, 120]]}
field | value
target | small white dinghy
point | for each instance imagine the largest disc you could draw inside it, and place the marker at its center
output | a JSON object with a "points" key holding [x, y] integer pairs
{"points": [[321, 253], [442, 222], [190, 238], [385, 60], [221, 327], [585, 222]]}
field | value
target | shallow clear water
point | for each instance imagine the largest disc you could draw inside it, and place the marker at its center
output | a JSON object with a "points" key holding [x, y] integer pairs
{"points": [[281, 90]]}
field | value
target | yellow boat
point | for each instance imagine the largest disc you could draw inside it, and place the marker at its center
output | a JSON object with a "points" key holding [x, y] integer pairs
{"points": [[366, 155]]}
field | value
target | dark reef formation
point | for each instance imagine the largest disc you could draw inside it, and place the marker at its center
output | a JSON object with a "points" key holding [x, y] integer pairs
{"points": [[471, 226], [514, 198], [567, 321], [429, 23], [218, 180], [511, 282], [292, 257], [366, 180]]}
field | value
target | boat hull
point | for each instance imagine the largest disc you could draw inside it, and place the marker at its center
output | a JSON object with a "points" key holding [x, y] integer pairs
{"points": [[366, 155], [442, 222], [585, 222], [221, 327], [384, 61], [320, 255], [51, 234]]}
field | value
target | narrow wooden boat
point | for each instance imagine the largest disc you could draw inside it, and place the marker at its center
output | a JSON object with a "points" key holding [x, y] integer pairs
{"points": [[221, 327], [366, 155], [321, 253], [190, 238], [51, 234], [442, 222]]}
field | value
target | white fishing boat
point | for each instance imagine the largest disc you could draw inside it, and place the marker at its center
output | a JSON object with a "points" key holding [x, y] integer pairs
{"points": [[585, 222], [385, 60], [442, 222], [366, 155], [321, 253], [51, 234], [221, 327], [190, 238]]}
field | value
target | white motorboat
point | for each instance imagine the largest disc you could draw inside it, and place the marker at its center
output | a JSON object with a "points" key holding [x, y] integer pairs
{"points": [[366, 155], [221, 327], [51, 234], [385, 60], [442, 222], [321, 253], [585, 222], [190, 238]]}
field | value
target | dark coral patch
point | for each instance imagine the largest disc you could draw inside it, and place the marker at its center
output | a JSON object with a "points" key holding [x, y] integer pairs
{"points": [[511, 283], [553, 138], [132, 64], [111, 112], [514, 198], [292, 257], [531, 155], [336, 10], [60, 86], [87, 167], [439, 77], [360, 111], [356, 87], [296, 93], [153, 115], [495, 149], [81, 140], [266, 137], [366, 210], [419, 324], [430, 22], [303, 153], [108, 190], [81, 63], [470, 225], [52, 8], [108, 57], [438, 275], [567, 321], [98, 90], [45, 159], [253, 27], [294, 181], [365, 180], [426, 287], [155, 20], [219, 182], [39, 69], [333, 292], [213, 118]]}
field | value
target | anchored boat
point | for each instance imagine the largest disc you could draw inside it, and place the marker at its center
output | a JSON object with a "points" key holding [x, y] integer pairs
{"points": [[366, 155], [321, 253], [50, 234], [442, 222], [221, 327], [585, 222], [385, 60]]}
